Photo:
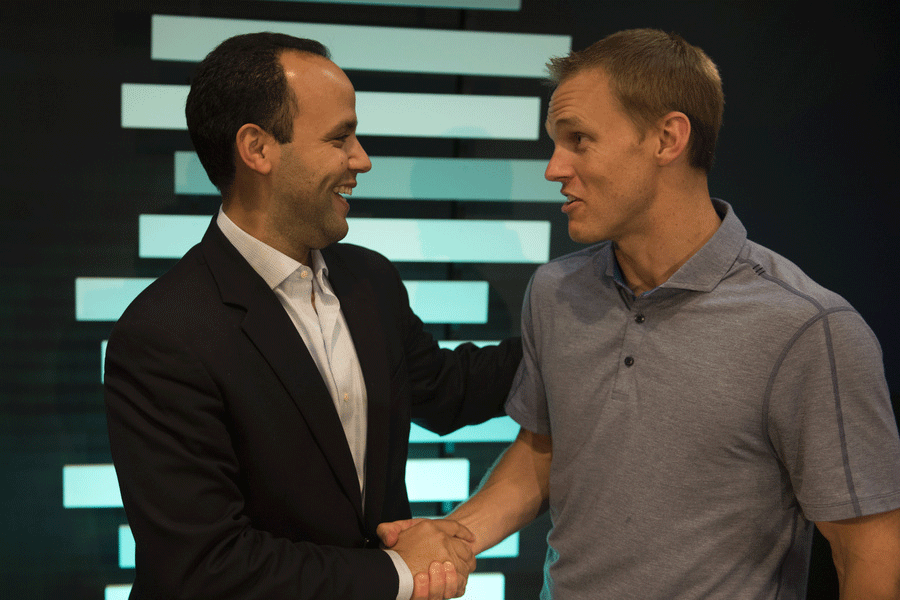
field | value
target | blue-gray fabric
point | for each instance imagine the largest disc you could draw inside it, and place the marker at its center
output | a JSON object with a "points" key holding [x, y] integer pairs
{"points": [[699, 430]]}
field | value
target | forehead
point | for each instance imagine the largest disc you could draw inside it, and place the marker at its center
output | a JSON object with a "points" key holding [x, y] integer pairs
{"points": [[583, 97], [318, 84]]}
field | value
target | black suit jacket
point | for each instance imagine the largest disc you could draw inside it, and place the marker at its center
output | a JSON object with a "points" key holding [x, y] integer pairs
{"points": [[235, 473]]}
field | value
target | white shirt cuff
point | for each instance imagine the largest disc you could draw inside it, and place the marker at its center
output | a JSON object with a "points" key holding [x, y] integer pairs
{"points": [[406, 578]]}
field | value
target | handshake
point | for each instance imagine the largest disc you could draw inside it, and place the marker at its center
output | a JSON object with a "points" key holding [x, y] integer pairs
{"points": [[438, 552]]}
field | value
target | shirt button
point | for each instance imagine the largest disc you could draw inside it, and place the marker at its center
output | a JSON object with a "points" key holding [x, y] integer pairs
{"points": [[639, 319], [629, 361], [304, 274], [346, 397]]}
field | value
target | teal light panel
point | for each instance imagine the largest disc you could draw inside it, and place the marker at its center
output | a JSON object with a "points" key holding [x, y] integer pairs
{"points": [[169, 236], [427, 480], [105, 298], [126, 547], [451, 344], [354, 47], [90, 486], [427, 240], [402, 178], [156, 106], [118, 592], [458, 4], [501, 429], [454, 240], [508, 548], [486, 586], [448, 116], [449, 301], [474, 179], [437, 479], [153, 106], [480, 586]]}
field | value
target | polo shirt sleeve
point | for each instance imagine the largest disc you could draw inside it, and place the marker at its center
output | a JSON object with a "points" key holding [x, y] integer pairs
{"points": [[527, 401], [831, 422]]}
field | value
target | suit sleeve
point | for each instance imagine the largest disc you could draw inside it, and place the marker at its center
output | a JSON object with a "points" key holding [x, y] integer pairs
{"points": [[181, 486], [454, 388]]}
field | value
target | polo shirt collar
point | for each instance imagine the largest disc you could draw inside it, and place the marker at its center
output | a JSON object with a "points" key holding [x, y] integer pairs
{"points": [[706, 268]]}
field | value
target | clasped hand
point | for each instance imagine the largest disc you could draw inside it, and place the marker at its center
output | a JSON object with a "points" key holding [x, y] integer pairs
{"points": [[438, 553]]}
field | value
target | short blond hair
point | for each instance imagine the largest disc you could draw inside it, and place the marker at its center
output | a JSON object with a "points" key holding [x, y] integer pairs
{"points": [[653, 73]]}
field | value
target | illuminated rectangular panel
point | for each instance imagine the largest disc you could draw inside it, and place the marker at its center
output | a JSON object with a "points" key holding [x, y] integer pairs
{"points": [[363, 48], [437, 479], [449, 116], [501, 429], [454, 240], [486, 586], [449, 301], [90, 486], [119, 592], [460, 4], [426, 240], [156, 106], [450, 344], [480, 586], [169, 236], [508, 548], [403, 178], [127, 547], [96, 486], [105, 298]]}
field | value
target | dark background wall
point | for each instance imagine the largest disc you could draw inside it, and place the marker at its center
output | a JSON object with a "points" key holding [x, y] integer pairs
{"points": [[808, 156]]}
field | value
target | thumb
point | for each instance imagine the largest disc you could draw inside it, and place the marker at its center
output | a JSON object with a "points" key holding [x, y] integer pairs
{"points": [[389, 533]]}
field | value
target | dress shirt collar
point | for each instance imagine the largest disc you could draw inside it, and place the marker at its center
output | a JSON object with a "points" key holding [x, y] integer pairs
{"points": [[273, 266]]}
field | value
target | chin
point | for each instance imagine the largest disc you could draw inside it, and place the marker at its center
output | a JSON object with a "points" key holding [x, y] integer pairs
{"points": [[582, 237]]}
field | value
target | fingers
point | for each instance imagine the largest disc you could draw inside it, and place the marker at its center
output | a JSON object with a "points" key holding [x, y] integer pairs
{"points": [[389, 533], [420, 587], [454, 585], [427, 541], [455, 529], [437, 578]]}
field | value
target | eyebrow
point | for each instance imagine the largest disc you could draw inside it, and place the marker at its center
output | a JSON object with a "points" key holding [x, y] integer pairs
{"points": [[348, 126], [572, 122]]}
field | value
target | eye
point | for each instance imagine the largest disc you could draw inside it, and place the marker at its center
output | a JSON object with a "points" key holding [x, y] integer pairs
{"points": [[578, 138]]}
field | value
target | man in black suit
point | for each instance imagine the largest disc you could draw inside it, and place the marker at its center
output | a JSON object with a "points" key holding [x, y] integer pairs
{"points": [[260, 393]]}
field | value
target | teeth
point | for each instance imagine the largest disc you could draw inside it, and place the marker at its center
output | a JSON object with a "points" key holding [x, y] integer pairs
{"points": [[344, 189]]}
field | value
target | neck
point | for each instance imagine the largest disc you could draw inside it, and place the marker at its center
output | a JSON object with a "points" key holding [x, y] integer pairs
{"points": [[255, 220], [674, 232]]}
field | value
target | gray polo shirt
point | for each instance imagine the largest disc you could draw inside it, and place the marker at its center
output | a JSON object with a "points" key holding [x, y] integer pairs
{"points": [[699, 429]]}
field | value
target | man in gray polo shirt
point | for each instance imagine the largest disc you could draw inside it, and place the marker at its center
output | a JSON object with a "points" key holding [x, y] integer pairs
{"points": [[690, 402]]}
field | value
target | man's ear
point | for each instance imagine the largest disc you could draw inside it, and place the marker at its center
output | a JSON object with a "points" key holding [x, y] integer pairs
{"points": [[674, 136], [255, 148]]}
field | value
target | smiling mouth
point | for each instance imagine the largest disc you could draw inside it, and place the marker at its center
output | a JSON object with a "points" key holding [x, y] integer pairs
{"points": [[343, 190]]}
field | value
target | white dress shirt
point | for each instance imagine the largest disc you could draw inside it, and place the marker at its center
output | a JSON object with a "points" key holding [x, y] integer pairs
{"points": [[306, 295]]}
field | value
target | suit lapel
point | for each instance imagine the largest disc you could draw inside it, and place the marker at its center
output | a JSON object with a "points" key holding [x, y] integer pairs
{"points": [[271, 330], [357, 298]]}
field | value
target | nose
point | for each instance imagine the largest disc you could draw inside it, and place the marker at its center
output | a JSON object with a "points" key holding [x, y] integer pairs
{"points": [[359, 160], [558, 169]]}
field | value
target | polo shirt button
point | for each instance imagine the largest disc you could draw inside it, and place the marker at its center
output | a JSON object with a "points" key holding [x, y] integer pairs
{"points": [[629, 361], [639, 319]]}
